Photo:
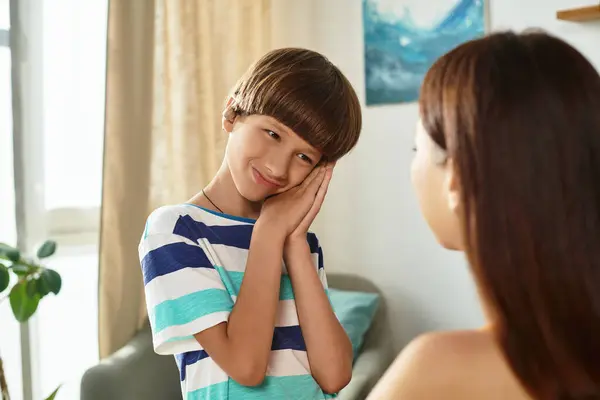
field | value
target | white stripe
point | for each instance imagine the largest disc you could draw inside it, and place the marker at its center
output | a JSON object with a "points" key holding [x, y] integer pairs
{"points": [[161, 221], [203, 373], [315, 257], [288, 363], [287, 315], [206, 217], [180, 283], [206, 372], [235, 259], [161, 346], [323, 277], [230, 258]]}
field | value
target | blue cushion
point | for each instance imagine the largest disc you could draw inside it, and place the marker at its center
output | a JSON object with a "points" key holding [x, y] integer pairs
{"points": [[355, 311]]}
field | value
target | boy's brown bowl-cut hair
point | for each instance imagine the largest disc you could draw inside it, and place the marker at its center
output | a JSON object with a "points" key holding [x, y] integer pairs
{"points": [[304, 91]]}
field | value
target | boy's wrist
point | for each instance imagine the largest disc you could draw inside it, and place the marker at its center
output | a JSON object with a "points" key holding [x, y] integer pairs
{"points": [[296, 243], [295, 248], [269, 230]]}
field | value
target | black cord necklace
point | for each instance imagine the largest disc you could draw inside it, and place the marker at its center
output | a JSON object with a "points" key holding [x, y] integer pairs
{"points": [[211, 202]]}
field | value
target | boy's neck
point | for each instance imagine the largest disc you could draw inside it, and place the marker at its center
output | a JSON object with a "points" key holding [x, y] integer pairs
{"points": [[222, 192]]}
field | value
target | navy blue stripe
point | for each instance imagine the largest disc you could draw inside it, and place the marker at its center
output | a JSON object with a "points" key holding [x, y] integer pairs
{"points": [[173, 257], [320, 258], [230, 235], [185, 359], [313, 242], [286, 337]]}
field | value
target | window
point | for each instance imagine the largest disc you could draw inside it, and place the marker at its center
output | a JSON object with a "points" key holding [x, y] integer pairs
{"points": [[74, 37], [10, 349], [74, 63], [62, 96]]}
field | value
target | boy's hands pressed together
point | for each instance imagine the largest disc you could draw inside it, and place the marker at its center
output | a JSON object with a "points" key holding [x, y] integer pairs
{"points": [[328, 347], [288, 210], [298, 236]]}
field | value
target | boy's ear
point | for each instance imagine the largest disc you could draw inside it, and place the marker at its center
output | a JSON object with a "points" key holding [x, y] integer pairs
{"points": [[229, 116]]}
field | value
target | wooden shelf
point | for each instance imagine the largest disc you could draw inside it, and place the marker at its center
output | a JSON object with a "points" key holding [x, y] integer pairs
{"points": [[581, 14]]}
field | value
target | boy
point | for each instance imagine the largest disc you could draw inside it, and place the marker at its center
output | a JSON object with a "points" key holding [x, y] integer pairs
{"points": [[234, 283]]}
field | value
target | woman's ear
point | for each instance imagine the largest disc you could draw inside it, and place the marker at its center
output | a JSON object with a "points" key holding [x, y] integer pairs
{"points": [[452, 187], [229, 116]]}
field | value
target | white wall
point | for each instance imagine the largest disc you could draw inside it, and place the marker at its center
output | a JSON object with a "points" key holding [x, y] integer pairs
{"points": [[371, 224]]}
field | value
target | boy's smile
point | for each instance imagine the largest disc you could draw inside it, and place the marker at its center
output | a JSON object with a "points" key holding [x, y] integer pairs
{"points": [[266, 181]]}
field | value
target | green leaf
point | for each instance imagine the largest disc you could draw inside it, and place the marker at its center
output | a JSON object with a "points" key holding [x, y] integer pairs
{"points": [[4, 278], [20, 269], [52, 280], [53, 395], [42, 287], [46, 249], [32, 288], [9, 252], [23, 306]]}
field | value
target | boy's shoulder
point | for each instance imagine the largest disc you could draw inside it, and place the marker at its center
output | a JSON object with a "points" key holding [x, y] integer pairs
{"points": [[164, 219]]}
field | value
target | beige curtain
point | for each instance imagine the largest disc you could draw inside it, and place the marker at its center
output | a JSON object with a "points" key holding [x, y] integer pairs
{"points": [[170, 66]]}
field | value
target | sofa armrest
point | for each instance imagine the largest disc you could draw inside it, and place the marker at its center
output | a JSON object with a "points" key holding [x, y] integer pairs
{"points": [[368, 368], [133, 372], [377, 351]]}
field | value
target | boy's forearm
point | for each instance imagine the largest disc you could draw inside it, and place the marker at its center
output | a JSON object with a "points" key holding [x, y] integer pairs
{"points": [[251, 323], [328, 347]]}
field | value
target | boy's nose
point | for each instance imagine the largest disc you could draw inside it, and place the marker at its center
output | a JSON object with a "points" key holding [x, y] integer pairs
{"points": [[278, 168]]}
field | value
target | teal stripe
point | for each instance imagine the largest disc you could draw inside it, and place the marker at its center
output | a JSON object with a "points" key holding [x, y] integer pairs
{"points": [[285, 288], [301, 387], [233, 282], [146, 228], [185, 309]]}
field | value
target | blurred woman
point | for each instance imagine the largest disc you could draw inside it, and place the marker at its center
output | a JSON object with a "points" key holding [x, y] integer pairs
{"points": [[507, 170]]}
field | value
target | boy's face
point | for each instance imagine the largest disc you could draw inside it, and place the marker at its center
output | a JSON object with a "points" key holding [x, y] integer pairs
{"points": [[265, 157]]}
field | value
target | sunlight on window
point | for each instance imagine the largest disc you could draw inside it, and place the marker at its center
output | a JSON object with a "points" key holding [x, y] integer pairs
{"points": [[4, 14], [74, 64], [10, 349], [68, 323], [74, 42]]}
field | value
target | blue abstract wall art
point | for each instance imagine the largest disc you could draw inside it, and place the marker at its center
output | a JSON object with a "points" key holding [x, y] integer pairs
{"points": [[404, 37]]}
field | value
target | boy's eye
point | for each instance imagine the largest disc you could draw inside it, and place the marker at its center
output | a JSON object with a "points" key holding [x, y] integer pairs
{"points": [[305, 158], [273, 135]]}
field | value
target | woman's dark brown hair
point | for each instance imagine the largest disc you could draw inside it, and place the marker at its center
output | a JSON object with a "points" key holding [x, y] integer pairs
{"points": [[519, 115]]}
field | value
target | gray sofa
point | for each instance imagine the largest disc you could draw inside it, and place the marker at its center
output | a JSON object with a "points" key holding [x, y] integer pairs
{"points": [[137, 372]]}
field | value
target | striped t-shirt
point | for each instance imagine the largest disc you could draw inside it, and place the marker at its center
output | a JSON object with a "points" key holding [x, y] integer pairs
{"points": [[193, 262]]}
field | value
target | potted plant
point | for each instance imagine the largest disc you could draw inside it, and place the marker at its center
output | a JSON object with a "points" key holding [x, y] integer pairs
{"points": [[27, 282]]}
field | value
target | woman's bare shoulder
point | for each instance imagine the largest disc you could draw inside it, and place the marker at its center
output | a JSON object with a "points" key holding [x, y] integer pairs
{"points": [[449, 365]]}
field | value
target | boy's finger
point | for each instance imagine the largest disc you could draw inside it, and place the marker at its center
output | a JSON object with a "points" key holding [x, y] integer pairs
{"points": [[313, 174], [314, 185], [319, 198], [323, 188]]}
